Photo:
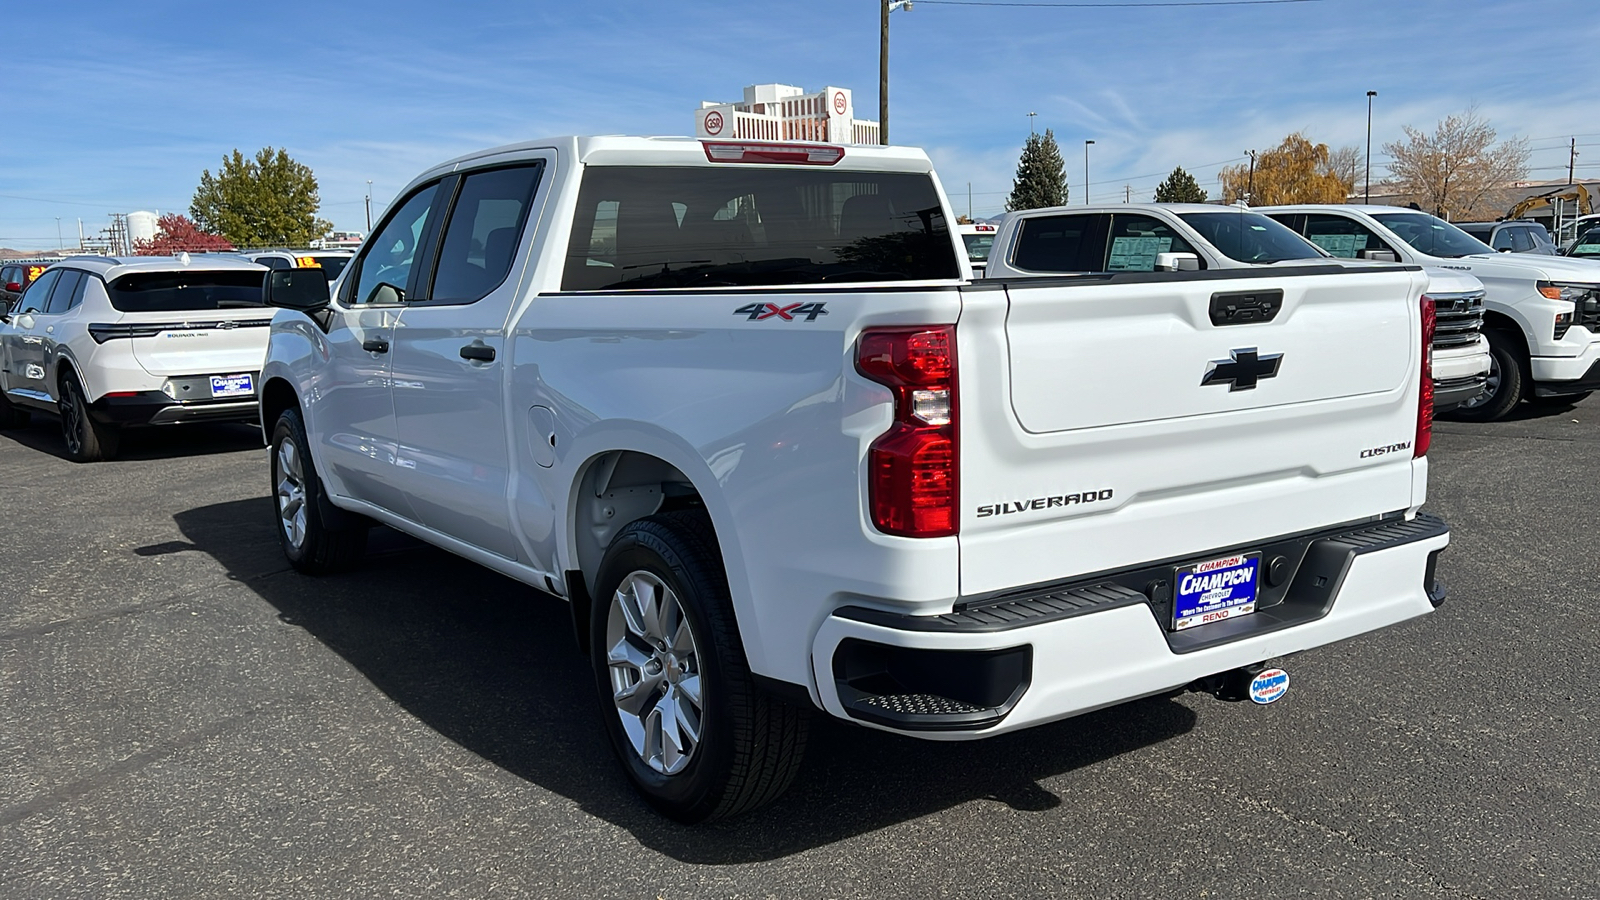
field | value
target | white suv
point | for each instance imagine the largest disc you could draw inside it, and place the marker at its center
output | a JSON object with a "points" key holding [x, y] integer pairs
{"points": [[106, 343]]}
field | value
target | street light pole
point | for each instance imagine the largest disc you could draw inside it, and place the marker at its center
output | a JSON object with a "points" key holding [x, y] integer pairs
{"points": [[1366, 194], [58, 231], [1086, 146], [1250, 184], [1031, 117], [369, 204], [888, 6]]}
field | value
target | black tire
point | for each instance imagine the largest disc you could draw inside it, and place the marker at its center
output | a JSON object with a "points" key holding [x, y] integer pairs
{"points": [[1508, 379], [1559, 400], [10, 415], [750, 743], [87, 440], [312, 543]]}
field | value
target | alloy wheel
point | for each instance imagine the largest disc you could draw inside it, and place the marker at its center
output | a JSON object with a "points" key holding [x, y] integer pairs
{"points": [[291, 492], [655, 672], [71, 417]]}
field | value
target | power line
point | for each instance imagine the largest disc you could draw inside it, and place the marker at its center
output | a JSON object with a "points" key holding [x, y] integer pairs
{"points": [[1164, 3]]}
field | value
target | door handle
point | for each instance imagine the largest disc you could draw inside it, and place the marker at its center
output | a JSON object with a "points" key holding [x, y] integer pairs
{"points": [[478, 353], [376, 345]]}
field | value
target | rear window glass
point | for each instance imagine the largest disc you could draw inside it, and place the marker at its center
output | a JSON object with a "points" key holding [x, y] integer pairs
{"points": [[661, 227], [978, 246], [331, 264], [173, 291]]}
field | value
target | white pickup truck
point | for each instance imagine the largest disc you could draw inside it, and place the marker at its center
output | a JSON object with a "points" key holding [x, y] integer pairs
{"points": [[1152, 237], [739, 405], [1541, 313]]}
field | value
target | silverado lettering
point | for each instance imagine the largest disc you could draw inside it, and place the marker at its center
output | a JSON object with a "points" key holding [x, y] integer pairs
{"points": [[1009, 507]]}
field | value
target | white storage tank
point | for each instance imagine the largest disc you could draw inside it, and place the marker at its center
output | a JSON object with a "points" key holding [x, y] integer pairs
{"points": [[141, 226]]}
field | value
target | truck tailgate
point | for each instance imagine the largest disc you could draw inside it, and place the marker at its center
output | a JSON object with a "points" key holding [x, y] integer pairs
{"points": [[1110, 421]]}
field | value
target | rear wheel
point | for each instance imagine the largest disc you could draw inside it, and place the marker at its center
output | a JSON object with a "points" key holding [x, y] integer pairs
{"points": [[1507, 381], [310, 541], [695, 734], [87, 440]]}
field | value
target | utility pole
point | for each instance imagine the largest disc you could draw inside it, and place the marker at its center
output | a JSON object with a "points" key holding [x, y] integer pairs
{"points": [[1031, 117], [1250, 185], [1366, 194], [369, 205], [969, 201], [60, 246], [1127, 193], [888, 6], [1086, 146], [1572, 161]]}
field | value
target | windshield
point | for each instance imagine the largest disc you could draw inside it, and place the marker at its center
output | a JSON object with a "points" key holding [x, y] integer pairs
{"points": [[978, 246], [667, 227], [1587, 244], [1250, 237], [176, 291], [1432, 235]]}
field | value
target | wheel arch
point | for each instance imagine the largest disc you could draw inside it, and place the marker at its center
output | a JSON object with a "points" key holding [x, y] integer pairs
{"points": [[277, 395]]}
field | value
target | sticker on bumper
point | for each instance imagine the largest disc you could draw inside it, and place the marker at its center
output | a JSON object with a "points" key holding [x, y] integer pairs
{"points": [[1269, 686], [1215, 590], [223, 386]]}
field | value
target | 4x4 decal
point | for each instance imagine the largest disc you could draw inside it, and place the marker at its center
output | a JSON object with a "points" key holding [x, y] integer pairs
{"points": [[757, 312]]}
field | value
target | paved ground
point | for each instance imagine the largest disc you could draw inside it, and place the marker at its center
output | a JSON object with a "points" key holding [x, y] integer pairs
{"points": [[181, 716]]}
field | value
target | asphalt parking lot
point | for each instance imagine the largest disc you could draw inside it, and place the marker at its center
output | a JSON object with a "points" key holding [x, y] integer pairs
{"points": [[183, 716]]}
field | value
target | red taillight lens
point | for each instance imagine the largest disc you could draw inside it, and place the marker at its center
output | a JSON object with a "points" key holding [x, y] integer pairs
{"points": [[1425, 395], [781, 154], [912, 469]]}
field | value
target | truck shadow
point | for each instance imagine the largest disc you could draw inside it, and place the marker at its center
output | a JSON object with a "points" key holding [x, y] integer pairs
{"points": [[490, 664], [43, 434]]}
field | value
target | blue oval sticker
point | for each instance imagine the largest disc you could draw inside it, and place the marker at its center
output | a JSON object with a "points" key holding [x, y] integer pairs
{"points": [[1269, 686]]}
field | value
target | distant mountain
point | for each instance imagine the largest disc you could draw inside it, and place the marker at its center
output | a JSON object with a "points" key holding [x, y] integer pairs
{"points": [[8, 253]]}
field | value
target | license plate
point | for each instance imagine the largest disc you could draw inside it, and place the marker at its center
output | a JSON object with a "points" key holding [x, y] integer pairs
{"points": [[1215, 590], [232, 386]]}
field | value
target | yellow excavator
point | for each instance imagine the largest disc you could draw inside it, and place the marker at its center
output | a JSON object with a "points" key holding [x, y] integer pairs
{"points": [[1574, 192]]}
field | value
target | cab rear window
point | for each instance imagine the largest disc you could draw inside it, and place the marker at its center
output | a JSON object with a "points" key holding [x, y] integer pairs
{"points": [[667, 227], [175, 291]]}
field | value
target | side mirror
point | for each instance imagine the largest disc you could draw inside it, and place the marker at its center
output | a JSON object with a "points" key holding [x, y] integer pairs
{"points": [[1177, 262], [302, 289], [14, 287], [1380, 255]]}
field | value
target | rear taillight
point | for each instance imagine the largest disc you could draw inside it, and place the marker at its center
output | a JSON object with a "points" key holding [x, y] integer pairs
{"points": [[1425, 394], [912, 484]]}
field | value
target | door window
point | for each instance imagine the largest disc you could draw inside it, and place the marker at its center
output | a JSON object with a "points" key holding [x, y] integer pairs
{"points": [[33, 299], [1135, 241], [481, 237], [61, 297], [1521, 240], [1502, 240], [1061, 244], [1341, 237], [385, 265]]}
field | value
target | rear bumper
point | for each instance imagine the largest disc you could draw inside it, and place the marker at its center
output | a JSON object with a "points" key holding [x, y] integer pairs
{"points": [[1064, 650], [156, 408]]}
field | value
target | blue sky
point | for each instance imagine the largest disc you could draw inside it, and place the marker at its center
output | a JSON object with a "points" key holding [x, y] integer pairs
{"points": [[119, 106]]}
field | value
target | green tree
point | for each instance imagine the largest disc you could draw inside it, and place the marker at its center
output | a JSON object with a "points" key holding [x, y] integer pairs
{"points": [[1041, 176], [270, 199], [1180, 187]]}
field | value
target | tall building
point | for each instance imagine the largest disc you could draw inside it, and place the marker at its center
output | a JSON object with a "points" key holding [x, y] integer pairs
{"points": [[783, 112]]}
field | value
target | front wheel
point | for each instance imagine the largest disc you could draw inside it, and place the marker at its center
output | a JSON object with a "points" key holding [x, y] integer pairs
{"points": [[310, 542], [1507, 381], [698, 739], [87, 440]]}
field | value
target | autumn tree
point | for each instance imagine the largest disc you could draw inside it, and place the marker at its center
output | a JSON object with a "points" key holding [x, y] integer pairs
{"points": [[1449, 172], [1180, 187], [1295, 171], [254, 202], [1041, 175], [176, 233]]}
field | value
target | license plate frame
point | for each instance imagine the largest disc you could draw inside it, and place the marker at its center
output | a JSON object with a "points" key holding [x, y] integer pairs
{"points": [[227, 387], [1215, 590]]}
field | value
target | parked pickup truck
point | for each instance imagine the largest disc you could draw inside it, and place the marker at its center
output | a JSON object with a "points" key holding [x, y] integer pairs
{"points": [[738, 404], [1155, 237], [1541, 313]]}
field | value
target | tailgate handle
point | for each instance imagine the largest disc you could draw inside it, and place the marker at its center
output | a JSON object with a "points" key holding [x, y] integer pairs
{"points": [[1245, 307]]}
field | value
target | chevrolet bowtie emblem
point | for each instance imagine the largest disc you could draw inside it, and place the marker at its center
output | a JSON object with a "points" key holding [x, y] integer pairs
{"points": [[1243, 370]]}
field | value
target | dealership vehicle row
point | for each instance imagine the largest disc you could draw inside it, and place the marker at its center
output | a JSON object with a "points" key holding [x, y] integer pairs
{"points": [[744, 408]]}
